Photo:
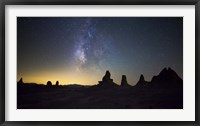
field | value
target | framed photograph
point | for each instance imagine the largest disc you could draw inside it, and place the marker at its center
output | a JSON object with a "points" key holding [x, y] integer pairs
{"points": [[101, 62]]}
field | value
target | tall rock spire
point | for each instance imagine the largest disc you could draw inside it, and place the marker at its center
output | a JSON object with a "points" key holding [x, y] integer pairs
{"points": [[141, 80], [124, 82], [107, 81]]}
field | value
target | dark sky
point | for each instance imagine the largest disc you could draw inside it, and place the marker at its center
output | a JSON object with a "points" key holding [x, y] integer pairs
{"points": [[80, 49]]}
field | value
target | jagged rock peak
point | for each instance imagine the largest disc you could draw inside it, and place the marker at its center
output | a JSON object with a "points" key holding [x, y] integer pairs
{"points": [[20, 81], [163, 70], [167, 77], [141, 80], [106, 76], [106, 80], [124, 81], [167, 71]]}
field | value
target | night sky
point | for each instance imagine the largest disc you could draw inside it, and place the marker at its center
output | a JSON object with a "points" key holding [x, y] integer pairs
{"points": [[79, 50]]}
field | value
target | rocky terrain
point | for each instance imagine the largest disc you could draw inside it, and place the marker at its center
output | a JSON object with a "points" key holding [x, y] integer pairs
{"points": [[164, 91]]}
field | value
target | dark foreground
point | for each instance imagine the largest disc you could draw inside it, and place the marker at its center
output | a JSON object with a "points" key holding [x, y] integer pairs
{"points": [[63, 97], [164, 91]]}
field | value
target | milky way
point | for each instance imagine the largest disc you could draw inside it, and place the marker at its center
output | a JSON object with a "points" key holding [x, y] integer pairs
{"points": [[80, 49], [90, 47]]}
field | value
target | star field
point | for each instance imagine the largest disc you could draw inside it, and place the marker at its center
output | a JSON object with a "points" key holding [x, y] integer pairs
{"points": [[78, 50]]}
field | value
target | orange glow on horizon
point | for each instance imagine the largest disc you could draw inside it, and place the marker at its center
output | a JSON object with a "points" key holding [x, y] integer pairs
{"points": [[63, 78]]}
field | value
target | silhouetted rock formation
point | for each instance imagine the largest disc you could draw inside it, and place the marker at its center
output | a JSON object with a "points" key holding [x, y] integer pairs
{"points": [[141, 81], [167, 78], [107, 81], [163, 92], [124, 82], [57, 83], [49, 83], [20, 81]]}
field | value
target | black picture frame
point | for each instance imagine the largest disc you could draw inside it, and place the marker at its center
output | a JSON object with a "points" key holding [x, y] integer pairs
{"points": [[99, 2]]}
